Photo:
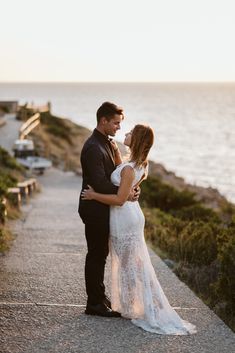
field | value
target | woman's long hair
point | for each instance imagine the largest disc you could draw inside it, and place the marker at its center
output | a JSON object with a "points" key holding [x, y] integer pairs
{"points": [[142, 139]]}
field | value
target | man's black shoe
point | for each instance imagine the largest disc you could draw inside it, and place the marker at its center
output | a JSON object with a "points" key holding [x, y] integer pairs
{"points": [[101, 310], [107, 302]]}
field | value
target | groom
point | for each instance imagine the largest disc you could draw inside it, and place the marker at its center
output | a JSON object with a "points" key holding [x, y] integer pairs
{"points": [[98, 163]]}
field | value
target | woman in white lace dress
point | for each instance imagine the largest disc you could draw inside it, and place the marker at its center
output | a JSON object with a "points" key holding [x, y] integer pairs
{"points": [[136, 292]]}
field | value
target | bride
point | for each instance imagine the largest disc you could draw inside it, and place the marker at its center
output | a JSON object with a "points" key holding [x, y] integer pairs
{"points": [[136, 292]]}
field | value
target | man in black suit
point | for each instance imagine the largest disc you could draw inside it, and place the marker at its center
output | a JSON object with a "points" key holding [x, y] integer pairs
{"points": [[98, 163]]}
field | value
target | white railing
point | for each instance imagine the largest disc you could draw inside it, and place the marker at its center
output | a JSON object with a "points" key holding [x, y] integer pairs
{"points": [[29, 125]]}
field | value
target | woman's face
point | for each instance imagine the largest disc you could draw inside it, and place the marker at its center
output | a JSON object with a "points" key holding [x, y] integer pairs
{"points": [[127, 140]]}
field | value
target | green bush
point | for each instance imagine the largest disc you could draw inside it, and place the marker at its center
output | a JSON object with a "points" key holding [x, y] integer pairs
{"points": [[2, 243], [204, 250], [196, 213], [200, 278], [2, 212], [10, 170], [6, 181], [5, 108], [3, 189], [25, 113], [9, 162], [198, 243], [162, 230], [226, 281], [155, 193], [192, 242]]}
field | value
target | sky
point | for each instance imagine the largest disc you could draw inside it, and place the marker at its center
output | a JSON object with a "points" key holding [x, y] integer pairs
{"points": [[123, 41]]}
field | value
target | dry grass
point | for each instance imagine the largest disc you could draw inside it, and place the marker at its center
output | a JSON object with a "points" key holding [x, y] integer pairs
{"points": [[64, 153], [6, 238]]}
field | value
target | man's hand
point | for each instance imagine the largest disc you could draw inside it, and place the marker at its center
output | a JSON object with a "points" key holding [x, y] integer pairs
{"points": [[134, 194]]}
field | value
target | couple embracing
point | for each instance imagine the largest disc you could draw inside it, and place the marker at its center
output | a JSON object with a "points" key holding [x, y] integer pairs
{"points": [[114, 222]]}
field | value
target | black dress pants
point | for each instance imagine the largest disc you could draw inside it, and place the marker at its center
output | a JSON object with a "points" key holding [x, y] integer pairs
{"points": [[97, 237]]}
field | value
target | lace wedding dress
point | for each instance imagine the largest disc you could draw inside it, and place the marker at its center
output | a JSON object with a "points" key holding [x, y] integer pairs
{"points": [[136, 292]]}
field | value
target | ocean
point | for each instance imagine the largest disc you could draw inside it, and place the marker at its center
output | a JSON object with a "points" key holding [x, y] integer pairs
{"points": [[194, 123]]}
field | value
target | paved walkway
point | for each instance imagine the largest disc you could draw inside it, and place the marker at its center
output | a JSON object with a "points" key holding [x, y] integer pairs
{"points": [[9, 132], [42, 295]]}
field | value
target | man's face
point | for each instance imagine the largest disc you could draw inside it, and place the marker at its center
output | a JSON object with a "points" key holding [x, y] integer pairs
{"points": [[112, 126]]}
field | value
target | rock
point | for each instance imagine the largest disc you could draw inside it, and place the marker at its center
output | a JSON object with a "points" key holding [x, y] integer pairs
{"points": [[169, 263]]}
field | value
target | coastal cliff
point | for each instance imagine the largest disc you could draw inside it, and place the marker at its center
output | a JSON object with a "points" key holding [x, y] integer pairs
{"points": [[61, 141]]}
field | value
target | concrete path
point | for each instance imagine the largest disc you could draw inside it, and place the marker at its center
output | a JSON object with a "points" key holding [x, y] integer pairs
{"points": [[9, 132], [42, 295]]}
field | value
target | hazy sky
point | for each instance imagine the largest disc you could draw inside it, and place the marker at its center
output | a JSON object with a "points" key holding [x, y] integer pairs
{"points": [[122, 40]]}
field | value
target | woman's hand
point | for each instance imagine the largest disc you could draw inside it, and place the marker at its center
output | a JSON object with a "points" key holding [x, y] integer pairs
{"points": [[117, 153], [115, 146], [88, 194]]}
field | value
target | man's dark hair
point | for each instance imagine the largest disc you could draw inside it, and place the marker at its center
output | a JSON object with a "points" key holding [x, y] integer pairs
{"points": [[108, 110]]}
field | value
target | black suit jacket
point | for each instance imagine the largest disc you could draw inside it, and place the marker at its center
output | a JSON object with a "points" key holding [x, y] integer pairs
{"points": [[97, 160]]}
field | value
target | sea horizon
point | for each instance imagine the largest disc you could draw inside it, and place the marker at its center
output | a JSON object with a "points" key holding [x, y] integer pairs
{"points": [[194, 122]]}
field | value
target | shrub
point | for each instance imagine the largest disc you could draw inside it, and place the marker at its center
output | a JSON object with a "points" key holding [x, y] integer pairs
{"points": [[196, 213], [10, 170], [2, 211], [197, 243], [226, 282], [5, 108], [155, 193], [199, 278], [6, 181], [163, 230], [24, 113], [3, 189], [192, 242], [9, 162], [204, 251]]}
